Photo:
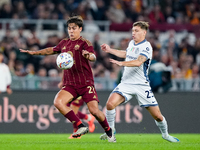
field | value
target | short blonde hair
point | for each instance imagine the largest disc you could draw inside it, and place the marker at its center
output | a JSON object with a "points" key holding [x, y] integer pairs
{"points": [[142, 24]]}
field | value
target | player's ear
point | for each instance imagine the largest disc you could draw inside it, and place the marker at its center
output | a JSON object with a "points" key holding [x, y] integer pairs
{"points": [[145, 32], [80, 29]]}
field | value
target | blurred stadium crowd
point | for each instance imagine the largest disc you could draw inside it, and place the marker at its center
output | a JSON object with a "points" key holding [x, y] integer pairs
{"points": [[118, 11], [182, 58]]}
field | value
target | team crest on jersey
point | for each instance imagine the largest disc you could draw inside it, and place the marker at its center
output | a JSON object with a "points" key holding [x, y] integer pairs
{"points": [[76, 47], [137, 51]]}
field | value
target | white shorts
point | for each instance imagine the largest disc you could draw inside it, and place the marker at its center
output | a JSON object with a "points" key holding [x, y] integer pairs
{"points": [[143, 94]]}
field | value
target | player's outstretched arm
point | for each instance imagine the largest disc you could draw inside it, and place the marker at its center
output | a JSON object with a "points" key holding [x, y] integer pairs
{"points": [[133, 63], [119, 53], [46, 51]]}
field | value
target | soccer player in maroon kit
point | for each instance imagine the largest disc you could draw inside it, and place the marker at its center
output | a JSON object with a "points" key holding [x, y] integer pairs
{"points": [[78, 80], [75, 105]]}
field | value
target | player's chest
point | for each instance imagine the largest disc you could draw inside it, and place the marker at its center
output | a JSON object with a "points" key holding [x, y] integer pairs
{"points": [[72, 48], [3, 70], [133, 51]]}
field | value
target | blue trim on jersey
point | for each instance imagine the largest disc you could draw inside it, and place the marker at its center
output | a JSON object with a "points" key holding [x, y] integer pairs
{"points": [[120, 94], [145, 67], [149, 105], [140, 42], [144, 55]]}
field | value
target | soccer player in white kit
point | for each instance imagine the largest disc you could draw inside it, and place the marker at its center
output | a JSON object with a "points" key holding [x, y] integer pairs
{"points": [[135, 81], [5, 76]]}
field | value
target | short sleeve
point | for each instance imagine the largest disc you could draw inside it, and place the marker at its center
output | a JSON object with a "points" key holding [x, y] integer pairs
{"points": [[57, 48], [146, 51], [88, 46]]}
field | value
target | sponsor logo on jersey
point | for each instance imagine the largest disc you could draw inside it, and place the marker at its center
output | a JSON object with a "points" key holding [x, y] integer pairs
{"points": [[145, 51], [131, 57]]}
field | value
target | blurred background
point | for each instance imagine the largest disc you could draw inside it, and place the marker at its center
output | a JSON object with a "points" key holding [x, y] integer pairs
{"points": [[35, 24]]}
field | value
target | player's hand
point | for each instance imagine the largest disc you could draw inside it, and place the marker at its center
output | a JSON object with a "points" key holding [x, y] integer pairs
{"points": [[9, 91], [105, 48], [27, 51], [60, 84], [119, 63], [86, 54]]}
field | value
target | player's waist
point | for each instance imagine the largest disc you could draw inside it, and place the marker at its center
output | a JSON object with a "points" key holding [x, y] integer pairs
{"points": [[86, 82], [135, 81]]}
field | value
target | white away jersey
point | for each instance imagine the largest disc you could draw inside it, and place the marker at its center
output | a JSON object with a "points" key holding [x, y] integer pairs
{"points": [[5, 77], [137, 75]]}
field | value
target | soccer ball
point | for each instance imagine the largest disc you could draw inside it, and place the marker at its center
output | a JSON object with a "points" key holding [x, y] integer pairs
{"points": [[64, 61]]}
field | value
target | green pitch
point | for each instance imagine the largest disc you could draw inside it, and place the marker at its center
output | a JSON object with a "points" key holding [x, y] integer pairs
{"points": [[91, 141]]}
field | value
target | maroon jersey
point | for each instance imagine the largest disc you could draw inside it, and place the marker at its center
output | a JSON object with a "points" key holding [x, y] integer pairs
{"points": [[81, 72]]}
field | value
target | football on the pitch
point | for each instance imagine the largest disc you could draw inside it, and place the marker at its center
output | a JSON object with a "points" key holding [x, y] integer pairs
{"points": [[64, 61]]}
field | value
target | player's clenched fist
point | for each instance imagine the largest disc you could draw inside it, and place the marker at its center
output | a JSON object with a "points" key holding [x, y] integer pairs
{"points": [[85, 54], [105, 47]]}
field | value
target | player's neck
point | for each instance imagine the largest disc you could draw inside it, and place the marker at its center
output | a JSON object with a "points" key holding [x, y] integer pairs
{"points": [[74, 39], [139, 41]]}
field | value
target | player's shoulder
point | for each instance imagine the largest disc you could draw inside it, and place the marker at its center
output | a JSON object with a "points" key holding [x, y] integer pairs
{"points": [[86, 41], [131, 43], [83, 39], [147, 44], [65, 39], [4, 65]]}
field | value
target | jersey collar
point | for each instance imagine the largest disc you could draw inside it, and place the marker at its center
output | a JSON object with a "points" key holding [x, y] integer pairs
{"points": [[140, 42]]}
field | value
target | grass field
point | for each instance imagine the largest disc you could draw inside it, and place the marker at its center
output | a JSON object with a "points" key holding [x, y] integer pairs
{"points": [[92, 142]]}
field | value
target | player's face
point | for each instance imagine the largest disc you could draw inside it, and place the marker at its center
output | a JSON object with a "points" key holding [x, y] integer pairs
{"points": [[138, 34], [74, 31]]}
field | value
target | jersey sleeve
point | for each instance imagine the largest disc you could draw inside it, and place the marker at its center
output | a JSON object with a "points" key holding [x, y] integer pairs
{"points": [[146, 51], [88, 46], [57, 48]]}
